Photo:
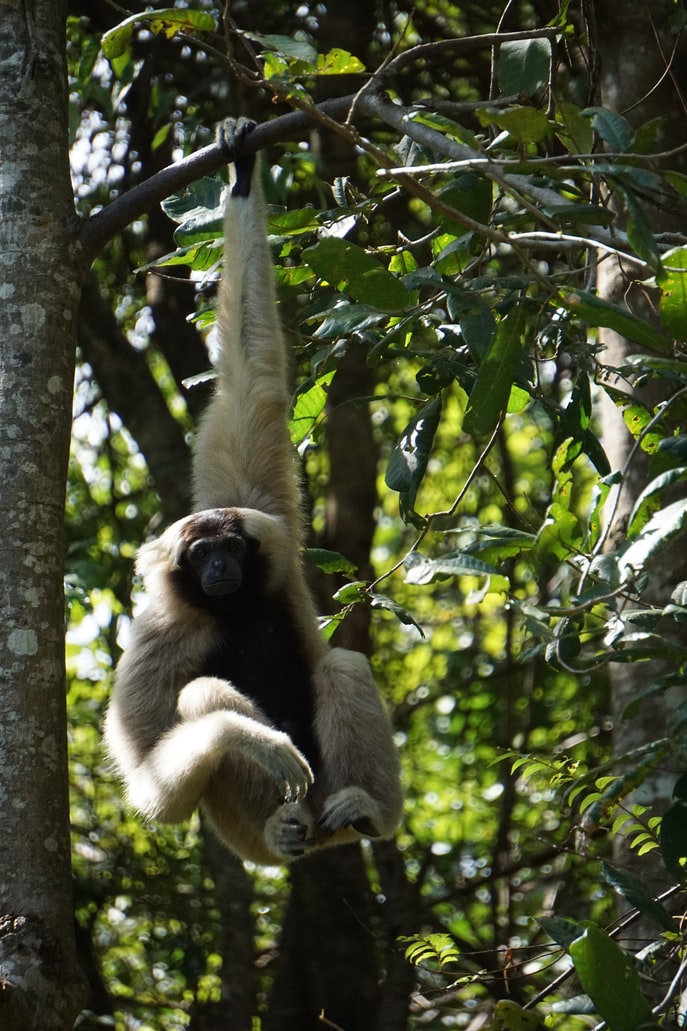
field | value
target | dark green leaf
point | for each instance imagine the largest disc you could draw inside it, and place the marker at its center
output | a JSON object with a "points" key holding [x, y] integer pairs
{"points": [[613, 129], [471, 195], [524, 65], [380, 601], [598, 312], [673, 839], [409, 459], [607, 975], [560, 929], [330, 561], [632, 889], [491, 391]]}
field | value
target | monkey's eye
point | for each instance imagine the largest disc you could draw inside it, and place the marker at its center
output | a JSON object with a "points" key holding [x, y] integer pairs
{"points": [[198, 550]]}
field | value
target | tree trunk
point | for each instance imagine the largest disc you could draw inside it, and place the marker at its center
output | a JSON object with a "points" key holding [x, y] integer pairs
{"points": [[630, 39], [40, 983]]}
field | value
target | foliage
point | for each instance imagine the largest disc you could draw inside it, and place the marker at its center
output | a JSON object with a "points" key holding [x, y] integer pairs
{"points": [[501, 597]]}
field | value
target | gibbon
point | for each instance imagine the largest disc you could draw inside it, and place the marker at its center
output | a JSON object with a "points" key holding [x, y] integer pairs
{"points": [[227, 697]]}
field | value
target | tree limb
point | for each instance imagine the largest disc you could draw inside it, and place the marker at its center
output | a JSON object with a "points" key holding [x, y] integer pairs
{"points": [[97, 230]]}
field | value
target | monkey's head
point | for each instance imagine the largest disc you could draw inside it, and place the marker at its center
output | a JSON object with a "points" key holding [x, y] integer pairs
{"points": [[218, 557], [216, 554]]}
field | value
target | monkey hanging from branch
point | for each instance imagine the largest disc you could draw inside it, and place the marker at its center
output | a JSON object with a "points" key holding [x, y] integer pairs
{"points": [[227, 696]]}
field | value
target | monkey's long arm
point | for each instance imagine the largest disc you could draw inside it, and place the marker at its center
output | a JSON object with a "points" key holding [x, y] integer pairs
{"points": [[243, 455]]}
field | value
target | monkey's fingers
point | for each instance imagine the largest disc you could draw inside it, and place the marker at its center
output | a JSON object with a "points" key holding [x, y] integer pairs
{"points": [[288, 768]]}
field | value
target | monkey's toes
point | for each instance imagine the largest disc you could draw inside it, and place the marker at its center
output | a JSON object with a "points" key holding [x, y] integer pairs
{"points": [[231, 134]]}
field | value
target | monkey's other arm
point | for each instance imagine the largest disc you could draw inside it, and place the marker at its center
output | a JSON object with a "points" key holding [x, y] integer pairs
{"points": [[167, 739]]}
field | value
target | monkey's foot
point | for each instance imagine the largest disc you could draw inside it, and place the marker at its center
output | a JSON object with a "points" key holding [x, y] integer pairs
{"points": [[286, 834], [350, 807]]}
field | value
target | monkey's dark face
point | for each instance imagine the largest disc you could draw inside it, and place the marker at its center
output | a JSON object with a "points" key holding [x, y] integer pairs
{"points": [[218, 563]]}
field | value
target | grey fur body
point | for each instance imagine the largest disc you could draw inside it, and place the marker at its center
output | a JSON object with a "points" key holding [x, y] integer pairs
{"points": [[210, 694]]}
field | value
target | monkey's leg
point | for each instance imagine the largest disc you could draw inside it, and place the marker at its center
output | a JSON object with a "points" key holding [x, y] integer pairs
{"points": [[171, 779], [360, 772]]}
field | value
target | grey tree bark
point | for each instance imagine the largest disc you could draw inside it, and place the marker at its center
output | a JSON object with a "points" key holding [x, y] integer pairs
{"points": [[40, 983], [637, 79]]}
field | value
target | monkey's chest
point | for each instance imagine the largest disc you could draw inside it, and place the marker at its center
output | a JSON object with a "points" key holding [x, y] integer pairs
{"points": [[257, 650]]}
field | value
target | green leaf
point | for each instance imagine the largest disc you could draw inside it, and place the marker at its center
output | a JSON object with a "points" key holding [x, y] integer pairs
{"points": [[673, 839], [597, 312], [409, 458], [561, 930], [574, 131], [525, 124], [649, 500], [422, 570], [663, 526], [673, 283], [497, 543], [508, 1016], [168, 22], [470, 194], [491, 391], [350, 269], [294, 49], [609, 978], [330, 561], [639, 233], [524, 65], [613, 129], [339, 62], [310, 404], [198, 210], [381, 601], [632, 889]]}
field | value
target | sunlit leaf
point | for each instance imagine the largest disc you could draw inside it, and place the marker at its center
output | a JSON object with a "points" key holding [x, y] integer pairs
{"points": [[350, 269], [330, 561], [308, 408], [166, 22], [525, 124], [339, 62], [656, 534], [422, 570], [508, 1016], [649, 501], [673, 283]]}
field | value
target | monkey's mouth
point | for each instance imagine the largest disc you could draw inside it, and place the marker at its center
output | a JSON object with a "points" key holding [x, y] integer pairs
{"points": [[218, 588]]}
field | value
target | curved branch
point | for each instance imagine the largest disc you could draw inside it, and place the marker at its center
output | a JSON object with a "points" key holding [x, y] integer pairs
{"points": [[97, 230]]}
